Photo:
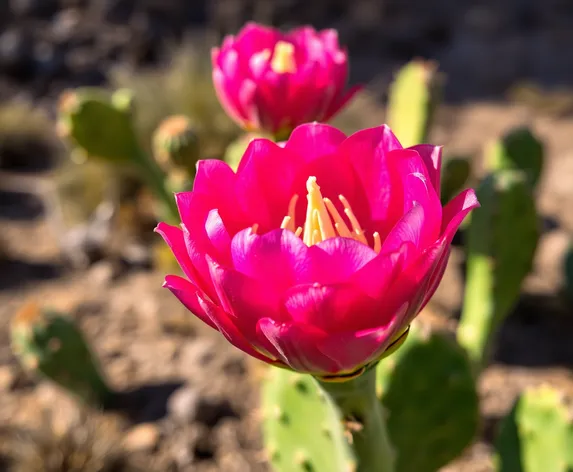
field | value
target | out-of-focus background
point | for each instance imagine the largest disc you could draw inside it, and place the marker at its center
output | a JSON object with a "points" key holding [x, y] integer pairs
{"points": [[505, 62]]}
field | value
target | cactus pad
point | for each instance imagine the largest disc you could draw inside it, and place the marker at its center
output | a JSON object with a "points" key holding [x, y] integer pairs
{"points": [[519, 149], [428, 390], [99, 123], [536, 434], [455, 173], [302, 428], [53, 346], [497, 262], [413, 97]]}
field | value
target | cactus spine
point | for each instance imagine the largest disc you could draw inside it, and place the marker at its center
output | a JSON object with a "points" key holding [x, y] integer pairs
{"points": [[496, 262], [412, 101], [53, 346], [536, 435]]}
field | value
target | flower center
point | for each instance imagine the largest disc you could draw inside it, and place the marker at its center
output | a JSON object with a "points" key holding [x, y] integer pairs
{"points": [[323, 221], [283, 58]]}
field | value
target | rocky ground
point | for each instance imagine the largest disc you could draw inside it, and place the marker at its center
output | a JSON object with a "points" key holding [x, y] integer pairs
{"points": [[196, 396]]}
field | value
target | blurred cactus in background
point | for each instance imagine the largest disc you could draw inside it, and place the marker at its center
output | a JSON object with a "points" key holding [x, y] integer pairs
{"points": [[519, 149], [99, 125], [51, 345], [413, 97], [496, 263], [427, 435], [536, 435], [456, 172], [176, 150], [183, 87]]}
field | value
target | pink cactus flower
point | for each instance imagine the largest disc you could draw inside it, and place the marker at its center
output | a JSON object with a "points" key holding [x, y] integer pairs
{"points": [[271, 82], [323, 284]]}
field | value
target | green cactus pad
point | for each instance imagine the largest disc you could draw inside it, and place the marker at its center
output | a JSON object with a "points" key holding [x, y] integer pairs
{"points": [[100, 124], [302, 428], [455, 173], [501, 242], [53, 346], [536, 435], [428, 390], [412, 100], [519, 149]]}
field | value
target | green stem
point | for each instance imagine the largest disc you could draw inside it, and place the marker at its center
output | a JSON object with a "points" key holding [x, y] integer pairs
{"points": [[157, 182], [364, 416]]}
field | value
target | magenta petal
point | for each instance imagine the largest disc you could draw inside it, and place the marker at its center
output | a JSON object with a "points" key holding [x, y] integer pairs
{"points": [[186, 292], [419, 191], [408, 229], [264, 182], [375, 277], [228, 96], [173, 236], [246, 300], [314, 140], [368, 151], [219, 237], [432, 157], [279, 258], [332, 308], [297, 346], [456, 210], [355, 349], [336, 259]]}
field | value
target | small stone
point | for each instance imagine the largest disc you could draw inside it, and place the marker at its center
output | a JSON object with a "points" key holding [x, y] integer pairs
{"points": [[143, 437], [102, 273], [183, 404], [7, 378]]}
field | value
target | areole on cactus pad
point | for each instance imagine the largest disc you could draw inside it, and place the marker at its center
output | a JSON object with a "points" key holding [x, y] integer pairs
{"points": [[325, 286]]}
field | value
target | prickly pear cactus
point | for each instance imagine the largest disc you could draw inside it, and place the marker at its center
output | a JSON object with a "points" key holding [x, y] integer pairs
{"points": [[413, 97], [455, 174], [302, 428], [176, 145], [428, 391], [99, 123], [501, 242], [519, 149], [536, 435], [53, 346]]}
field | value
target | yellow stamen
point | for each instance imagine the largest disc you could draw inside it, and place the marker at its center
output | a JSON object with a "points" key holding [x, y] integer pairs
{"points": [[287, 223], [353, 221], [377, 242], [323, 221], [339, 223], [283, 60]]}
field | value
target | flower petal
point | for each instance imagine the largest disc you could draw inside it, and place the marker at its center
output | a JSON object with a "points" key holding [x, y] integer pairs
{"points": [[173, 236], [314, 140], [332, 308], [297, 346], [432, 157], [264, 182], [187, 294], [279, 258], [335, 260]]}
